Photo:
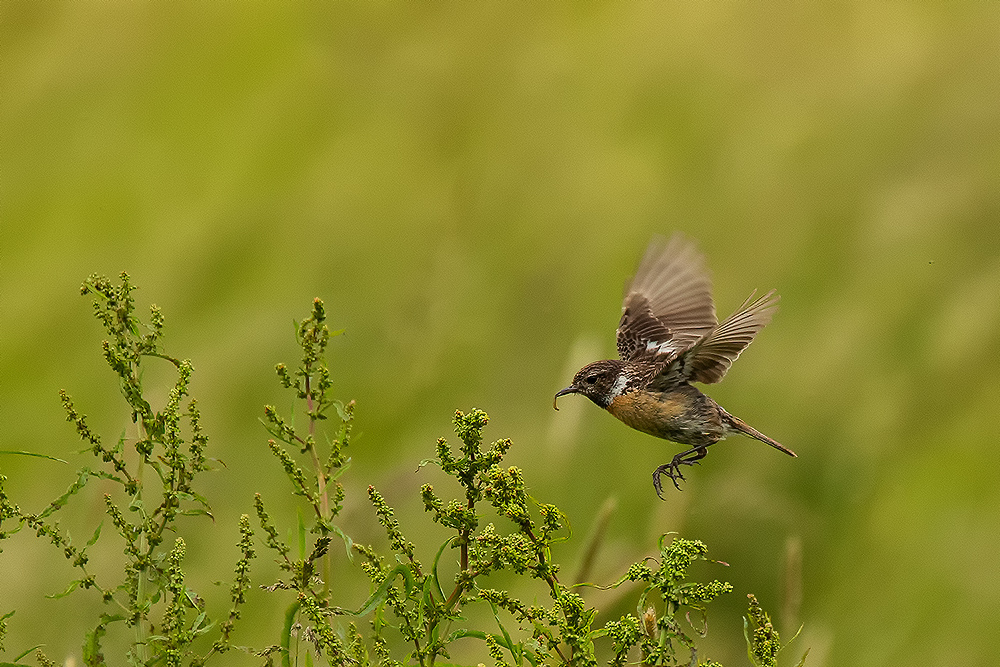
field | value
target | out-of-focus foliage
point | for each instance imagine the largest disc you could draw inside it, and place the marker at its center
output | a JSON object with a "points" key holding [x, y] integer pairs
{"points": [[467, 186]]}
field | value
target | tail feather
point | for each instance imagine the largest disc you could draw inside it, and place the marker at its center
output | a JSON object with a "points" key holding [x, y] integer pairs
{"points": [[738, 424]]}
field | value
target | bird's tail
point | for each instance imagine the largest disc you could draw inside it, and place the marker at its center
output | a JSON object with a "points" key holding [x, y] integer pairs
{"points": [[738, 424]]}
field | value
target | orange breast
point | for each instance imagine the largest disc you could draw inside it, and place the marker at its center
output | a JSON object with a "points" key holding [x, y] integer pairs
{"points": [[648, 413]]}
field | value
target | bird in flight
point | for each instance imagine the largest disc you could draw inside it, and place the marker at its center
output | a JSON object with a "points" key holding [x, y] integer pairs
{"points": [[669, 337]]}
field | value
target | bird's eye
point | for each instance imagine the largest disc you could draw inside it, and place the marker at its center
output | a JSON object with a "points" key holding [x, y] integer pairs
{"points": [[591, 379]]}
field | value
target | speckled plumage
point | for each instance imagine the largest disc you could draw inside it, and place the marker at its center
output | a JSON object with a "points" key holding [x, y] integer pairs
{"points": [[668, 337]]}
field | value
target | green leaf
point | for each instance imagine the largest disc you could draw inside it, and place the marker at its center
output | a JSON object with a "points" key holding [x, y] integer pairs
{"points": [[434, 634], [200, 627], [785, 645], [746, 636], [14, 530], [201, 500], [286, 634], [92, 643], [155, 465], [465, 632], [434, 568], [337, 472], [378, 597], [348, 542], [100, 474], [135, 505], [17, 659], [96, 535], [19, 452], [508, 642], [479, 634], [73, 585], [426, 600], [83, 474]]}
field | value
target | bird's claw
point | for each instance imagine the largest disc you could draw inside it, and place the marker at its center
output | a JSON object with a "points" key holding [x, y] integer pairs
{"points": [[673, 471]]}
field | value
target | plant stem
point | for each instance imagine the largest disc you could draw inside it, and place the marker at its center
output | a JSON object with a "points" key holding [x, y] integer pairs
{"points": [[140, 628], [324, 499]]}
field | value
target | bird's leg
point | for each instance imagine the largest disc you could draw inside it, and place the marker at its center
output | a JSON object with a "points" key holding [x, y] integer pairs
{"points": [[673, 469]]}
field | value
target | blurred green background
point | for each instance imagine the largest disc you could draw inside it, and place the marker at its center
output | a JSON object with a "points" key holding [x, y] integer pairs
{"points": [[468, 186]]}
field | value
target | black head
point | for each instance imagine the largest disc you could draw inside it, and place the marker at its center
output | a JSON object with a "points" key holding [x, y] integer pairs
{"points": [[600, 381]]}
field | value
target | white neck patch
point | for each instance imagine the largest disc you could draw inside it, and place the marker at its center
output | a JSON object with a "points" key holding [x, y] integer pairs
{"points": [[619, 386]]}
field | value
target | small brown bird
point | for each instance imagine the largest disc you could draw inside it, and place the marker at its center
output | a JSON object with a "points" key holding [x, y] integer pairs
{"points": [[668, 337]]}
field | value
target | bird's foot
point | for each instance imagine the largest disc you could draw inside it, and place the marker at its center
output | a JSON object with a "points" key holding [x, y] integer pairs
{"points": [[673, 471], [670, 471]]}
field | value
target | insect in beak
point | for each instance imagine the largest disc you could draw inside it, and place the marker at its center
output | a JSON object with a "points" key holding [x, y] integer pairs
{"points": [[563, 392]]}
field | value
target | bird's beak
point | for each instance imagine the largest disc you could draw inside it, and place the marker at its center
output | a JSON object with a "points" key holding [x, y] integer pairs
{"points": [[563, 392]]}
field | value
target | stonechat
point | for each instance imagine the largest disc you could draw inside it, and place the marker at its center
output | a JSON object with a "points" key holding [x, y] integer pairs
{"points": [[669, 337]]}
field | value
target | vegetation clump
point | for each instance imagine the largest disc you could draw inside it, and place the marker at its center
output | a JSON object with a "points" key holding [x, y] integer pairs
{"points": [[417, 608]]}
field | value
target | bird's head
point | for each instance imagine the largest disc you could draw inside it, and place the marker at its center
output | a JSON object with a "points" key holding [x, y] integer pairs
{"points": [[599, 381]]}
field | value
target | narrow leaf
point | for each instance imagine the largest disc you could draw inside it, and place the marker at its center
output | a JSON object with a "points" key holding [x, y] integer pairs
{"points": [[83, 474], [35, 454], [348, 542], [509, 643], [434, 568], [73, 585], [17, 659], [378, 597], [286, 634], [96, 535]]}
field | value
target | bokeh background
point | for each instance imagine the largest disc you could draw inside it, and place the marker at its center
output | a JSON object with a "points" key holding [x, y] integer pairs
{"points": [[468, 186]]}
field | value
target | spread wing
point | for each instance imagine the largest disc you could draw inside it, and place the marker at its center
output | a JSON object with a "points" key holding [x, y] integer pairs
{"points": [[668, 304], [708, 360], [712, 357]]}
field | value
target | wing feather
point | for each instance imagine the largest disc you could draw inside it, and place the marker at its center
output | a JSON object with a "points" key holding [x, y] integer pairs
{"points": [[668, 304], [710, 358]]}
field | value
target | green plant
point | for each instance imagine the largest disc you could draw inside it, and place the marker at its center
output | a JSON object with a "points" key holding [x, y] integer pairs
{"points": [[153, 472], [763, 642], [417, 609], [308, 575]]}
